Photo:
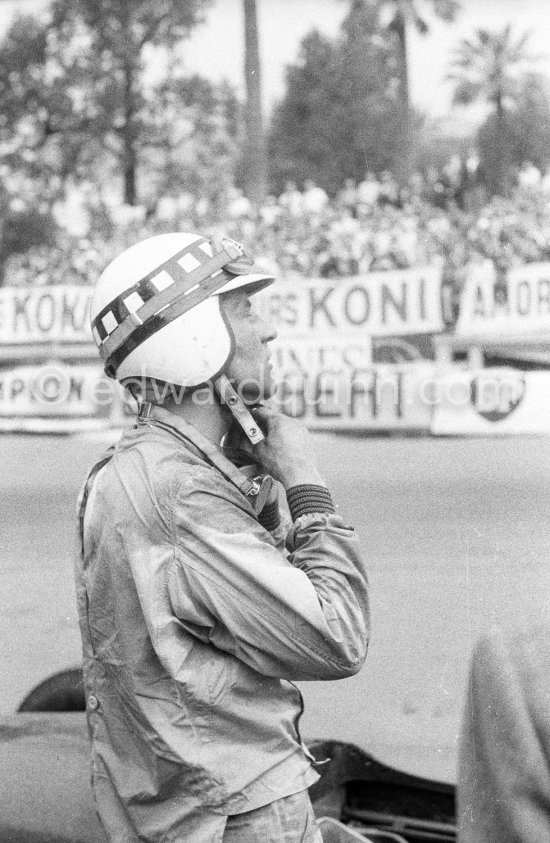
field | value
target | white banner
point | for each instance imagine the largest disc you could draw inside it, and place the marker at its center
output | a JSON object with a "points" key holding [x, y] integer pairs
{"points": [[57, 391], [323, 357], [380, 304], [44, 314], [309, 355], [521, 311], [492, 401], [359, 398]]}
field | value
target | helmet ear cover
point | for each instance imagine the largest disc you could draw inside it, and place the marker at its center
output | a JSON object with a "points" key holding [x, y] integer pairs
{"points": [[154, 389]]}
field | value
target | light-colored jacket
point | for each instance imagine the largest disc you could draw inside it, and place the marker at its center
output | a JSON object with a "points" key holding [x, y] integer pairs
{"points": [[194, 621]]}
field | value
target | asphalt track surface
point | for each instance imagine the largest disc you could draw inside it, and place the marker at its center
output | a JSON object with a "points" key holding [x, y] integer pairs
{"points": [[457, 537]]}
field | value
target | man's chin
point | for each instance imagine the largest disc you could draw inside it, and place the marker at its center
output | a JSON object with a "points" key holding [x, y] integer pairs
{"points": [[252, 392]]}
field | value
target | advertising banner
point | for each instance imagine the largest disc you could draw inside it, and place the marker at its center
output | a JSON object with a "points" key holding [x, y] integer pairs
{"points": [[345, 348], [30, 316], [335, 386], [374, 398], [57, 391], [492, 401], [409, 348], [380, 304], [521, 309], [349, 352]]}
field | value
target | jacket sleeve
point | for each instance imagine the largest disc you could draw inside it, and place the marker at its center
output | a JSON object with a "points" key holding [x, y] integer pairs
{"points": [[297, 615], [278, 530]]}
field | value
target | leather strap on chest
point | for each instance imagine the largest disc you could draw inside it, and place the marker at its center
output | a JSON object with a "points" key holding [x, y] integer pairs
{"points": [[251, 487]]}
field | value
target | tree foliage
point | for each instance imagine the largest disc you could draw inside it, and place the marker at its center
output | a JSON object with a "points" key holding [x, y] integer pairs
{"points": [[486, 67], [191, 139], [526, 132], [400, 15], [341, 113], [489, 67], [75, 96], [530, 122]]}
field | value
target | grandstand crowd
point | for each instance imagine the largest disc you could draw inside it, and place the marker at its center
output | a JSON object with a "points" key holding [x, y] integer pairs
{"points": [[370, 226]]}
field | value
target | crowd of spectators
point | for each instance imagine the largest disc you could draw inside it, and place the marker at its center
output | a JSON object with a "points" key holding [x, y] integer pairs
{"points": [[370, 226]]}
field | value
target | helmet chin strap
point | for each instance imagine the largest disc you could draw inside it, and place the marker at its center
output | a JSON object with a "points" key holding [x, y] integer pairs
{"points": [[237, 407]]}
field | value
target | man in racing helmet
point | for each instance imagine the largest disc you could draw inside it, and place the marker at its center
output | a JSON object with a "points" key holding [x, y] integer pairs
{"points": [[194, 616]]}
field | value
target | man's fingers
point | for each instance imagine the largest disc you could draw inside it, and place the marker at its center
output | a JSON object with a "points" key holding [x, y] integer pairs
{"points": [[261, 410], [263, 415]]}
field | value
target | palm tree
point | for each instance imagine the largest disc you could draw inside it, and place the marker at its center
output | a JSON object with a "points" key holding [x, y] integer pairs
{"points": [[400, 15], [487, 67], [255, 158]]}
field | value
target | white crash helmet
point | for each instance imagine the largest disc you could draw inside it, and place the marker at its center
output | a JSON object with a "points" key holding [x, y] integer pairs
{"points": [[156, 312]]}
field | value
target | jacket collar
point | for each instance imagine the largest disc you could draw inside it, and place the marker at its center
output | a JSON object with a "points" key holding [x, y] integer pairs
{"points": [[157, 413], [157, 416]]}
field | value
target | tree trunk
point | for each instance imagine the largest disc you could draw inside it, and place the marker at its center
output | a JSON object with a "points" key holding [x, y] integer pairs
{"points": [[129, 162], [404, 169], [255, 157], [400, 28], [130, 192], [501, 148]]}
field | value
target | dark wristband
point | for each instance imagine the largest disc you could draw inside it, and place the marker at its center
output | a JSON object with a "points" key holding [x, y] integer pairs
{"points": [[305, 499], [270, 517]]}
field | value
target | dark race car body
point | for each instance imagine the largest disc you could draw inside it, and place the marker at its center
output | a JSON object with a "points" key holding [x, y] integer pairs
{"points": [[45, 793]]}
